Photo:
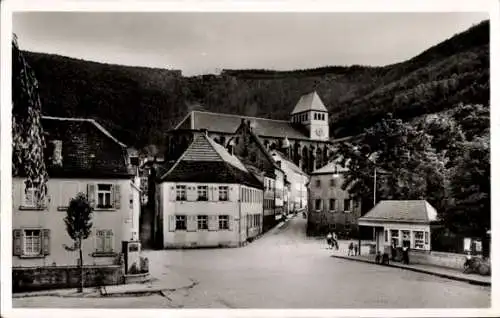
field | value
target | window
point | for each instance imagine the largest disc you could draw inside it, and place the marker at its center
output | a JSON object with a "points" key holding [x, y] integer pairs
{"points": [[104, 241], [223, 193], [347, 225], [29, 199], [332, 204], [418, 239], [202, 222], [332, 182], [395, 237], [32, 242], [318, 183], [426, 237], [180, 222], [386, 236], [104, 196], [223, 222], [181, 194], [317, 204], [202, 193], [347, 205], [406, 238]]}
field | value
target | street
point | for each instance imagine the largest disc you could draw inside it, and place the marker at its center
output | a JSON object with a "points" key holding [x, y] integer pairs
{"points": [[284, 269]]}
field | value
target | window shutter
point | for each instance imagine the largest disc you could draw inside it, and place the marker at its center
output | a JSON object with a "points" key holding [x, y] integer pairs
{"points": [[191, 193], [231, 221], [213, 223], [17, 241], [232, 193], [45, 242], [117, 196], [192, 223], [171, 223], [173, 193], [91, 194]]}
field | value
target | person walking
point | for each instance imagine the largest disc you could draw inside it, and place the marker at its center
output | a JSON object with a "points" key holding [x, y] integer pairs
{"points": [[334, 240], [355, 249], [329, 240], [351, 248]]}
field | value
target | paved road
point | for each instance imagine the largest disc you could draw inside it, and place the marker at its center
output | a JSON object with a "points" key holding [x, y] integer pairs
{"points": [[284, 269]]}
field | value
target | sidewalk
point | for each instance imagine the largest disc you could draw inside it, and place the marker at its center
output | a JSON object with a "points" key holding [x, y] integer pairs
{"points": [[169, 282], [420, 268]]}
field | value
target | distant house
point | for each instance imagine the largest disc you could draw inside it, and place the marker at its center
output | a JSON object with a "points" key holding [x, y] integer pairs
{"points": [[401, 223], [297, 178], [208, 197], [330, 207], [248, 147], [81, 156]]}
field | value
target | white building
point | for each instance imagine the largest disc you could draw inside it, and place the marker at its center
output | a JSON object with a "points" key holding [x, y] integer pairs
{"points": [[401, 223], [298, 181], [209, 198]]}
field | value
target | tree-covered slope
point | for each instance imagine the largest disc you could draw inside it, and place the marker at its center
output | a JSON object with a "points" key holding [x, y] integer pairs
{"points": [[138, 104]]}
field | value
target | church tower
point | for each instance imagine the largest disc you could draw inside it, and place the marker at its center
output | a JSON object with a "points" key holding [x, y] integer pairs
{"points": [[312, 113]]}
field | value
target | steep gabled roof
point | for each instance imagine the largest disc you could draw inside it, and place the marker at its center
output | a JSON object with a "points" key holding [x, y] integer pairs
{"points": [[288, 162], [309, 102], [229, 123], [206, 161], [413, 211], [88, 150]]}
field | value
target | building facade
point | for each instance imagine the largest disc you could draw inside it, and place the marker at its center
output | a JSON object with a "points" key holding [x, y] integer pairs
{"points": [[208, 198], [298, 180], [81, 157], [330, 207], [306, 132]]}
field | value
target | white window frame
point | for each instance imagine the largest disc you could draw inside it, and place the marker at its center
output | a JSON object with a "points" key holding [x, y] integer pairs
{"points": [[200, 190], [223, 222], [420, 242], [223, 193], [28, 244], [178, 218], [180, 193], [105, 192], [202, 220]]}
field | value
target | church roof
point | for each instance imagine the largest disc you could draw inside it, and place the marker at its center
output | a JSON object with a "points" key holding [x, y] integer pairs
{"points": [[229, 123], [309, 102], [206, 161]]}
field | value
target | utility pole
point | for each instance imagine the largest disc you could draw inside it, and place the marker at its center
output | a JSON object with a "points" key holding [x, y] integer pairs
{"points": [[375, 186]]}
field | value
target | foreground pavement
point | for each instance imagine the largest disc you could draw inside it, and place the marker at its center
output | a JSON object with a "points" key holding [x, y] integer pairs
{"points": [[283, 269]]}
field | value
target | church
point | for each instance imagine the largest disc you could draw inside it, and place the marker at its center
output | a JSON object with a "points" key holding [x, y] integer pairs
{"points": [[304, 139]]}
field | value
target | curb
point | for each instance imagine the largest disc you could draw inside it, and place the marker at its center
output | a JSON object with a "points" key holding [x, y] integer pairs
{"points": [[145, 291], [452, 277], [101, 293]]}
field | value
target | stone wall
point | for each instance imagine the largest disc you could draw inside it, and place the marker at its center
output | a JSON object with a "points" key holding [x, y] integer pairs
{"points": [[449, 260], [51, 277]]}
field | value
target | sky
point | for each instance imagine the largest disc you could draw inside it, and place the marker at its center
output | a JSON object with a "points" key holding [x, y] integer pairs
{"points": [[204, 42]]}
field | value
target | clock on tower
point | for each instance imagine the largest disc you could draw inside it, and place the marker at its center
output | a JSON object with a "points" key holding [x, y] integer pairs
{"points": [[319, 132]]}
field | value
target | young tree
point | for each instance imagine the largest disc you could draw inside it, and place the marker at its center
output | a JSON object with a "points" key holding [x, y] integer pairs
{"points": [[78, 222], [27, 134]]}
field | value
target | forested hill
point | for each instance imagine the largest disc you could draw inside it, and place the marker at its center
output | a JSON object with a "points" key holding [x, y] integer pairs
{"points": [[138, 104]]}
